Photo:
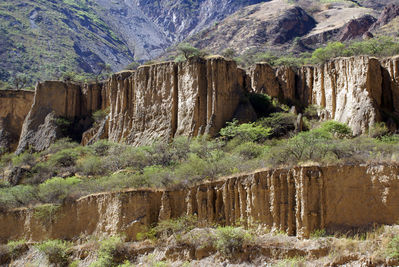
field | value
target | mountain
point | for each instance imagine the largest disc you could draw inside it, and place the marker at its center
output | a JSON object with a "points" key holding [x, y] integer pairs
{"points": [[295, 26], [43, 39]]}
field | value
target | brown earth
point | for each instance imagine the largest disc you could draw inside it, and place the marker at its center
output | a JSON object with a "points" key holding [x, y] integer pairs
{"points": [[297, 201]]}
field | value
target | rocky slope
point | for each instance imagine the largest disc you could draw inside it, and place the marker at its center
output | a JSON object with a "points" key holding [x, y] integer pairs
{"points": [[198, 97], [274, 25], [44, 39], [296, 201]]}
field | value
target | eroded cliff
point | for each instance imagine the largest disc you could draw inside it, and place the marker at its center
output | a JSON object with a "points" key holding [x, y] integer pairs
{"points": [[297, 201], [358, 91], [161, 101], [14, 106]]}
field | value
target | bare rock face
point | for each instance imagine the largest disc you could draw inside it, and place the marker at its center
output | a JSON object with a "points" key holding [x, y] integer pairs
{"points": [[158, 102], [356, 28], [53, 100], [14, 106], [390, 12], [279, 83], [350, 90], [297, 201]]}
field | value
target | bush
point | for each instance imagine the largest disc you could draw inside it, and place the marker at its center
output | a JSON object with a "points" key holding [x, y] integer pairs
{"points": [[311, 112], [393, 248], [337, 129], [249, 150], [57, 251], [56, 189], [248, 132], [332, 50], [188, 51], [92, 165], [230, 240], [17, 248], [378, 130], [100, 115], [281, 123], [110, 253], [167, 228], [16, 196], [261, 103]]}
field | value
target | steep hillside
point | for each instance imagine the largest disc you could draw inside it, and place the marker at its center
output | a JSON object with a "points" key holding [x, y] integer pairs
{"points": [[295, 26], [43, 39]]}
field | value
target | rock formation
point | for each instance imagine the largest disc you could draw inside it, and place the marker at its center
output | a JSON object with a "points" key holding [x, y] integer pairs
{"points": [[14, 106], [161, 101], [297, 201], [358, 91], [156, 102]]}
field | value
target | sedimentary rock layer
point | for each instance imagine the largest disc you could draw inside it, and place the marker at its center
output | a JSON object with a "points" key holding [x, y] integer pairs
{"points": [[160, 101], [155, 102], [358, 91], [14, 106], [297, 201]]}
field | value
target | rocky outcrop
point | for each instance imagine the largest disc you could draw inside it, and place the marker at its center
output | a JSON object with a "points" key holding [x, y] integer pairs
{"points": [[57, 106], [196, 97], [156, 102], [297, 201], [356, 28], [390, 12], [14, 106], [358, 91]]}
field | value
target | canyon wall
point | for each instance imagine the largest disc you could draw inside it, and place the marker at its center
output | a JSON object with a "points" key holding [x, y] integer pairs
{"points": [[160, 101], [155, 102], [358, 91], [297, 201], [14, 106]]}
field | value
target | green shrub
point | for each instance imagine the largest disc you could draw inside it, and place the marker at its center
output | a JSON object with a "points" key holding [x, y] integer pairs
{"points": [[337, 129], [393, 248], [249, 132], [64, 158], [17, 248], [110, 252], [281, 123], [56, 189], [332, 50], [249, 150], [167, 228], [311, 112], [230, 240], [25, 158], [100, 115], [57, 251], [92, 165], [261, 103], [17, 196], [378, 130]]}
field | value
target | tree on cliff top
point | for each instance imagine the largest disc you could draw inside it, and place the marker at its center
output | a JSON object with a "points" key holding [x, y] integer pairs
{"points": [[188, 50]]}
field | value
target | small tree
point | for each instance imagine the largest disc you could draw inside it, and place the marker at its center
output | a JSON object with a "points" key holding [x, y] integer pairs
{"points": [[19, 81], [188, 50], [229, 53], [103, 69], [133, 66]]}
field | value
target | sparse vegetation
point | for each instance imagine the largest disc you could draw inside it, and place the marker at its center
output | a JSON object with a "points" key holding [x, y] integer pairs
{"points": [[57, 251]]}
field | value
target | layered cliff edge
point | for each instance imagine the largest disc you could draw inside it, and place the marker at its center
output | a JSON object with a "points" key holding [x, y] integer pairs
{"points": [[297, 201], [161, 101]]}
